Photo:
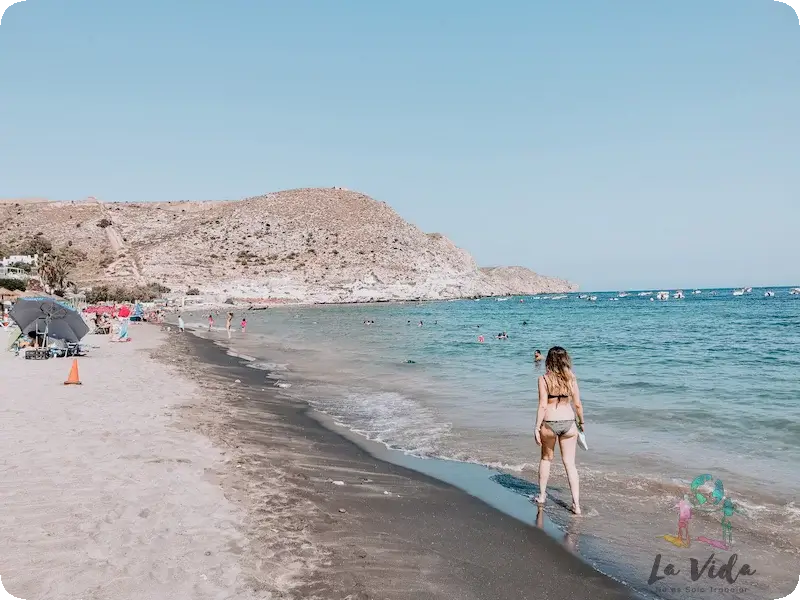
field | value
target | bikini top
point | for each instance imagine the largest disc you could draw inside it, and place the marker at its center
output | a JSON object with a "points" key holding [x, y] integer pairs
{"points": [[549, 395]]}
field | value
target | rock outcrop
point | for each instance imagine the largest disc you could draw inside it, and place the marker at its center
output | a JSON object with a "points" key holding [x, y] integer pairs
{"points": [[310, 245]]}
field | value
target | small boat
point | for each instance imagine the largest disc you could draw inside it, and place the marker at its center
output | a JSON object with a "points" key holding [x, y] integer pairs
{"points": [[748, 290], [697, 292], [613, 299], [623, 294], [663, 296], [645, 293], [558, 297], [738, 292], [592, 298], [583, 297], [769, 294], [678, 295], [795, 291]]}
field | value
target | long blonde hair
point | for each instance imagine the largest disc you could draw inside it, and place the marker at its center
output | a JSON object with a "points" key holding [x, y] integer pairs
{"points": [[559, 376]]}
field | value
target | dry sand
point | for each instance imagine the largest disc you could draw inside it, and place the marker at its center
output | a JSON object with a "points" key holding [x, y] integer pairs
{"points": [[103, 495]]}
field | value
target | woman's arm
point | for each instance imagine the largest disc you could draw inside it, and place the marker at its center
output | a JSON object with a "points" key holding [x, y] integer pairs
{"points": [[541, 410], [576, 401]]}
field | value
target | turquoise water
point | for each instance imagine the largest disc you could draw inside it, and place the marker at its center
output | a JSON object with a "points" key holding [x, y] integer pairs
{"points": [[705, 384]]}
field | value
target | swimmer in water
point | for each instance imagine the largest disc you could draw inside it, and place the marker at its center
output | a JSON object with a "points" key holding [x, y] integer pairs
{"points": [[420, 324], [537, 356], [480, 339], [524, 322]]}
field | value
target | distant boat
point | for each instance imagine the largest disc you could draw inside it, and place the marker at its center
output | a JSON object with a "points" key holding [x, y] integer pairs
{"points": [[592, 298], [678, 295], [738, 292], [769, 294], [558, 297], [697, 292], [623, 294], [663, 296], [583, 297], [645, 293], [795, 291], [613, 299], [748, 290]]}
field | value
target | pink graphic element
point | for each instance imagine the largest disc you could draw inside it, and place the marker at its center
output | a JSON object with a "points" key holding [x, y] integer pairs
{"points": [[684, 516], [684, 509], [714, 543]]}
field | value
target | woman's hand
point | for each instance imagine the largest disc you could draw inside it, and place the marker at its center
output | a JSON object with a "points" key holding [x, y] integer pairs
{"points": [[538, 437]]}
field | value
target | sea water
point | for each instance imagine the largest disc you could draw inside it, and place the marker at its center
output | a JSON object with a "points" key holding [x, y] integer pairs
{"points": [[671, 390]]}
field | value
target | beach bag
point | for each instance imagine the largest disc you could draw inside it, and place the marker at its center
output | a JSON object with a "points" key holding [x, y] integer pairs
{"points": [[581, 437]]}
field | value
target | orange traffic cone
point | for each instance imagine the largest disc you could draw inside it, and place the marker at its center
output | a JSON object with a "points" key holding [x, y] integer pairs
{"points": [[73, 378]]}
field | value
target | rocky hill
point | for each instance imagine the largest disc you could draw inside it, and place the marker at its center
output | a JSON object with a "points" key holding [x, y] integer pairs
{"points": [[314, 245]]}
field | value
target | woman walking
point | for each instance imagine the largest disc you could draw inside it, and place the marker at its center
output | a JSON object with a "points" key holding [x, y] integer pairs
{"points": [[558, 419]]}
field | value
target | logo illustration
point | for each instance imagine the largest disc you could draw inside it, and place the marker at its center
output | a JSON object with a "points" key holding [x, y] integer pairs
{"points": [[702, 501]]}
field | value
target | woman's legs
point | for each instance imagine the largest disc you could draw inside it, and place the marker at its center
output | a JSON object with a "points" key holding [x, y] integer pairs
{"points": [[548, 448], [569, 443]]}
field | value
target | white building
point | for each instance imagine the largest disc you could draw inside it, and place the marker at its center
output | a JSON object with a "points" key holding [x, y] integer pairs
{"points": [[20, 258]]}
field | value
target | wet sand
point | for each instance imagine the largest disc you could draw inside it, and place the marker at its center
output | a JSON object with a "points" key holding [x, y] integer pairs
{"points": [[387, 532]]}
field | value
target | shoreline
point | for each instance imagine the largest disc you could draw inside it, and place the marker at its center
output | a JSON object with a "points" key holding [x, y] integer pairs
{"points": [[384, 525]]}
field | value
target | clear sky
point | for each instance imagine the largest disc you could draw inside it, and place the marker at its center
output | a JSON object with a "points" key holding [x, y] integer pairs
{"points": [[621, 144]]}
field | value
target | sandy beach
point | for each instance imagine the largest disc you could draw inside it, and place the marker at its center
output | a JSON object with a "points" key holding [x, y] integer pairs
{"points": [[176, 472]]}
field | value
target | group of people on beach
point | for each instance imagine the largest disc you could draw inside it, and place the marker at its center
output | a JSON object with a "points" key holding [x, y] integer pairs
{"points": [[228, 323]]}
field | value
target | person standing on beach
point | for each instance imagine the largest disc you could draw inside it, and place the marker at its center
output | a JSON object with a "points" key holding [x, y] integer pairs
{"points": [[210, 322], [558, 421], [244, 324], [181, 325]]}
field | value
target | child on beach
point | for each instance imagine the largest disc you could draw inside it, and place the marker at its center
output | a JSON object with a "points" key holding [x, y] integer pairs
{"points": [[244, 324], [181, 326], [210, 322]]}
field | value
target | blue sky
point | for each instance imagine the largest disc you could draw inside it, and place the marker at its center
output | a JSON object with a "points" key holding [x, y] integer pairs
{"points": [[621, 144]]}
